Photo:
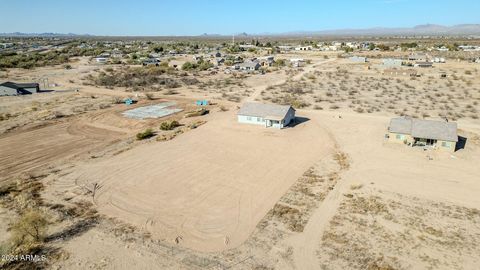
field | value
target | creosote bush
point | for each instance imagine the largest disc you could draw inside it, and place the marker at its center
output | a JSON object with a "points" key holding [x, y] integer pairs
{"points": [[169, 125], [145, 134]]}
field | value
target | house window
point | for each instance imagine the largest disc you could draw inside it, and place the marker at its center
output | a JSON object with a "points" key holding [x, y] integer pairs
{"points": [[259, 119], [249, 118], [399, 136], [445, 144]]}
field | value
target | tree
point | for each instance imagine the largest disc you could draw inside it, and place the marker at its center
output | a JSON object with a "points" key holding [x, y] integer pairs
{"points": [[383, 47], [158, 49]]}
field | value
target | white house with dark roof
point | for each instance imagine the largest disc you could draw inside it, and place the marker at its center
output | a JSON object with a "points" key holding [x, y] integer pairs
{"points": [[247, 66], [418, 132], [14, 89], [267, 115]]}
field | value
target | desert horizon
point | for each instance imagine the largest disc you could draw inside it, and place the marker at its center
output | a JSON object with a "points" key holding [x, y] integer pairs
{"points": [[354, 148]]}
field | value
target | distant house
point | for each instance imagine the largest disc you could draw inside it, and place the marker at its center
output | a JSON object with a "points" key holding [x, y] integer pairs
{"points": [[443, 49], [104, 55], [117, 54], [298, 62], [418, 57], [285, 48], [391, 62], [358, 59], [438, 60], [151, 62], [266, 60], [267, 115], [424, 64], [14, 89], [248, 66], [246, 46], [417, 132], [101, 60], [469, 48], [304, 48]]}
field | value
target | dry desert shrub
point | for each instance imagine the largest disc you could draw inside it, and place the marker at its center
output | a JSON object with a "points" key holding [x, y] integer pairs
{"points": [[393, 231]]}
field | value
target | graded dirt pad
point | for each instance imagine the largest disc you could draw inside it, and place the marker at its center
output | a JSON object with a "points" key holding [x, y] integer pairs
{"points": [[33, 149], [211, 186]]}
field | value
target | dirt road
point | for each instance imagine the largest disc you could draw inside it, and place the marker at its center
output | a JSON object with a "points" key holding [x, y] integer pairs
{"points": [[258, 88]]}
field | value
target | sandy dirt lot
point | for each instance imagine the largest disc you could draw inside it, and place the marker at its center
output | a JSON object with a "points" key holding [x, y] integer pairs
{"points": [[430, 175], [372, 195], [209, 187]]}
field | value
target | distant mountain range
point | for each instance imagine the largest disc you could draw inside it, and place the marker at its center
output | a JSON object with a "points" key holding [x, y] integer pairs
{"points": [[426, 29], [19, 34], [419, 30]]}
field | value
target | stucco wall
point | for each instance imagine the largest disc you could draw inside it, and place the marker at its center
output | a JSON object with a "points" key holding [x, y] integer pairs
{"points": [[446, 146], [245, 119], [399, 138], [251, 120], [6, 91]]}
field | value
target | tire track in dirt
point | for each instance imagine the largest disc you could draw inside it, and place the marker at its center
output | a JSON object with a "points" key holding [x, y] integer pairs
{"points": [[305, 244], [25, 151]]}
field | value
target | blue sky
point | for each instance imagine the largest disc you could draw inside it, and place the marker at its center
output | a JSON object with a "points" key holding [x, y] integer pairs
{"points": [[190, 17]]}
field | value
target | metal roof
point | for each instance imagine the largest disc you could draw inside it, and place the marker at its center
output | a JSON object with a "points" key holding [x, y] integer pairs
{"points": [[425, 129], [19, 85], [249, 64], [264, 110]]}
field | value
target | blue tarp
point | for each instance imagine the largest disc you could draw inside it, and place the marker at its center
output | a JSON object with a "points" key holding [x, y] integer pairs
{"points": [[129, 101], [201, 102]]}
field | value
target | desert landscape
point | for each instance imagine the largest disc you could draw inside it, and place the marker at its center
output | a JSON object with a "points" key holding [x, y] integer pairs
{"points": [[244, 152]]}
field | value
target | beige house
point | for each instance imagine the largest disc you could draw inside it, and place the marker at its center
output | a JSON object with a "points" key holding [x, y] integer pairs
{"points": [[440, 135]]}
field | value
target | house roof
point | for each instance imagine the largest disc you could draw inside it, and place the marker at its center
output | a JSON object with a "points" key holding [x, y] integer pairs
{"points": [[426, 129], [264, 110], [249, 64], [424, 63], [401, 125], [19, 85]]}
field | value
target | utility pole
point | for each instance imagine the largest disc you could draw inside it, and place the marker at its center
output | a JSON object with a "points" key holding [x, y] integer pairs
{"points": [[233, 40]]}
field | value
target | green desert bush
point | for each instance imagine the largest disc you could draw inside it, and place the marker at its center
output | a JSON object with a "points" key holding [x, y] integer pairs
{"points": [[198, 112], [145, 134], [169, 125]]}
